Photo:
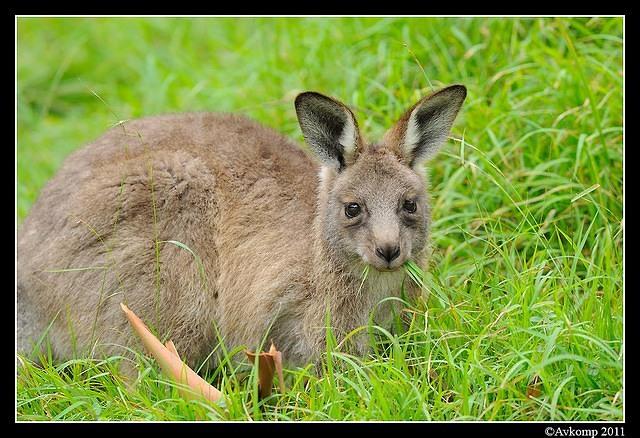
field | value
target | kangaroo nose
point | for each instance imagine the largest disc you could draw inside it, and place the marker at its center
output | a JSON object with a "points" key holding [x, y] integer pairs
{"points": [[388, 253]]}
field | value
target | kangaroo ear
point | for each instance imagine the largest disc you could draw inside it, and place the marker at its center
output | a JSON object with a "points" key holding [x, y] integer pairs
{"points": [[421, 131], [329, 127]]}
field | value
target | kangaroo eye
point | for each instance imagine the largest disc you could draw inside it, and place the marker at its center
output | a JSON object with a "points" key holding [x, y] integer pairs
{"points": [[352, 210], [410, 206]]}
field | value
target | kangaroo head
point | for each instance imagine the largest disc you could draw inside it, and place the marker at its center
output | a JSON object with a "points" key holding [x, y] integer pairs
{"points": [[373, 204]]}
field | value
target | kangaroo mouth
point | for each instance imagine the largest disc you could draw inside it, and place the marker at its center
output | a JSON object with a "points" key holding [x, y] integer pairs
{"points": [[381, 269], [389, 267], [381, 265]]}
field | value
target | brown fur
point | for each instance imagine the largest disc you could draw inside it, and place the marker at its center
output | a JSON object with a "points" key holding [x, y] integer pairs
{"points": [[269, 233]]}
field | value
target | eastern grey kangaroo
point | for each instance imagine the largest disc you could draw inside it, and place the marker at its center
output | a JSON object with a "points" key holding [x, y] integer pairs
{"points": [[209, 224]]}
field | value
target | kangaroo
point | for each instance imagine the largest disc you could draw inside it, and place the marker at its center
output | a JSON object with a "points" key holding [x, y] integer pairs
{"points": [[211, 226]]}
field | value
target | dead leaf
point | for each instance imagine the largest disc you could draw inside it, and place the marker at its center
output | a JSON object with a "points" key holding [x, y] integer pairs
{"points": [[447, 396], [533, 388], [268, 363], [172, 348], [170, 362]]}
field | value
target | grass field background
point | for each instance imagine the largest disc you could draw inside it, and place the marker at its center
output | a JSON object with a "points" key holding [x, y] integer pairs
{"points": [[522, 312]]}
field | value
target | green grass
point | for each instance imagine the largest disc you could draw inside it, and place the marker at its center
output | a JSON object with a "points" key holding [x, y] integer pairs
{"points": [[521, 316]]}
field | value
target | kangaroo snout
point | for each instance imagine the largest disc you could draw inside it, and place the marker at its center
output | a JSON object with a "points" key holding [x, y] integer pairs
{"points": [[385, 250], [388, 253], [388, 257]]}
